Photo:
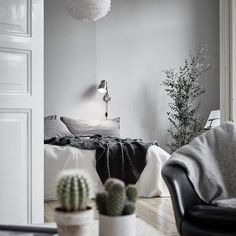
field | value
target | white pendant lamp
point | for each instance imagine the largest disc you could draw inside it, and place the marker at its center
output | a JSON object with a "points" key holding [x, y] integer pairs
{"points": [[88, 10]]}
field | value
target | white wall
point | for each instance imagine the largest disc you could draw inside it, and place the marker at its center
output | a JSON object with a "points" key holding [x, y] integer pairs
{"points": [[129, 48], [70, 63]]}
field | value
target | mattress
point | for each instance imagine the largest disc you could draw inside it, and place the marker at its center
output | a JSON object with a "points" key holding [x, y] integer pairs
{"points": [[59, 158]]}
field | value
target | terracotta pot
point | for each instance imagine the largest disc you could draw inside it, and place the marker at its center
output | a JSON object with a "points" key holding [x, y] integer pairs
{"points": [[74, 223], [117, 225]]}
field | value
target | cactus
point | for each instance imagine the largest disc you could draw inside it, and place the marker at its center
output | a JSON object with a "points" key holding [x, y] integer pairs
{"points": [[72, 191], [116, 200], [131, 193], [129, 208], [101, 199], [109, 183]]}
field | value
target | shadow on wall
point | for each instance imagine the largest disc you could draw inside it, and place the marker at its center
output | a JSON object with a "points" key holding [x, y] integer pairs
{"points": [[147, 112], [152, 106], [88, 104], [90, 92]]}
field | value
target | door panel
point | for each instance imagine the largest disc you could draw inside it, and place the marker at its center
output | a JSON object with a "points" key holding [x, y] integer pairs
{"points": [[14, 139], [15, 17], [21, 111], [15, 71]]}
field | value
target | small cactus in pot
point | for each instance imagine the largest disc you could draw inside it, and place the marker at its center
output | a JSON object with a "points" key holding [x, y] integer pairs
{"points": [[73, 192], [73, 214], [116, 206], [116, 200]]}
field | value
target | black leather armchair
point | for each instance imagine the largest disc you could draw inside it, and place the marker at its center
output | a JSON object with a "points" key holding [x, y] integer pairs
{"points": [[194, 217]]}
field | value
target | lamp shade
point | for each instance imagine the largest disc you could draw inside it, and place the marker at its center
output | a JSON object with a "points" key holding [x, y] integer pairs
{"points": [[88, 10], [102, 88]]}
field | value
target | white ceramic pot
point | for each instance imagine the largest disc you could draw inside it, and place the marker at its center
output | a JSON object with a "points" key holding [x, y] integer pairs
{"points": [[74, 223], [117, 225]]}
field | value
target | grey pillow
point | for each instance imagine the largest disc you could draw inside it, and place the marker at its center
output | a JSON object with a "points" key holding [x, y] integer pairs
{"points": [[54, 117], [103, 127], [55, 128]]}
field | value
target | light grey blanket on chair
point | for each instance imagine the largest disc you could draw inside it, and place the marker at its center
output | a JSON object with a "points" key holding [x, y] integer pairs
{"points": [[210, 162]]}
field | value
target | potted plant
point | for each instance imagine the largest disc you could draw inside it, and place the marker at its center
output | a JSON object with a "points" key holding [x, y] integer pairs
{"points": [[184, 87], [116, 206], [73, 217]]}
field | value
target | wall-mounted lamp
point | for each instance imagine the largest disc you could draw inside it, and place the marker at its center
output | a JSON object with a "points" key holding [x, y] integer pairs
{"points": [[103, 88]]}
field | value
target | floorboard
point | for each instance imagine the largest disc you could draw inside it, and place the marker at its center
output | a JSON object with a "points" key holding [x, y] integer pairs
{"points": [[157, 212]]}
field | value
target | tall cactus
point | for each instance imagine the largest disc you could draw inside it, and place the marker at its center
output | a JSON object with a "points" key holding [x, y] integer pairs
{"points": [[116, 200], [73, 191]]}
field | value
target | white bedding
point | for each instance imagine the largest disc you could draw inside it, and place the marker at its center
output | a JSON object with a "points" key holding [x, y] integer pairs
{"points": [[58, 158]]}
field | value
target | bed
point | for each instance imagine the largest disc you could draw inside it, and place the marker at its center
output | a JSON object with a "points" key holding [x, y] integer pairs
{"points": [[96, 148], [58, 158]]}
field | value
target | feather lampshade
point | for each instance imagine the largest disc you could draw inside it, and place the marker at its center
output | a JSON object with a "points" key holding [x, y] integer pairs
{"points": [[88, 10]]}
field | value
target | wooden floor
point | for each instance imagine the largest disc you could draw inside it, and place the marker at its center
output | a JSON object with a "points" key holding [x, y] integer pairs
{"points": [[157, 212]]}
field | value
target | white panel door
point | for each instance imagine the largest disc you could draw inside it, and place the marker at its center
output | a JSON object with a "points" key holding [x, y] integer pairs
{"points": [[21, 111]]}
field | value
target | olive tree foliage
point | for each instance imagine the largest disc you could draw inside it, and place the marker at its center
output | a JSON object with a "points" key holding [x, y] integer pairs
{"points": [[184, 88]]}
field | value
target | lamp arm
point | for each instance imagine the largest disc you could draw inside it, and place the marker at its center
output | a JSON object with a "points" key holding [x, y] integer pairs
{"points": [[106, 99], [106, 113]]}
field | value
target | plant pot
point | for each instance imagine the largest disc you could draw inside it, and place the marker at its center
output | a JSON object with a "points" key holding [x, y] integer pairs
{"points": [[117, 225], [74, 223]]}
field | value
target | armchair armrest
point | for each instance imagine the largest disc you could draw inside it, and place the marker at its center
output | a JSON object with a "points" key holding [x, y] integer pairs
{"points": [[182, 193]]}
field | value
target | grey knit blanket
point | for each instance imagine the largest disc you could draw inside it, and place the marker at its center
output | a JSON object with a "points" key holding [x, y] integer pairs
{"points": [[210, 163]]}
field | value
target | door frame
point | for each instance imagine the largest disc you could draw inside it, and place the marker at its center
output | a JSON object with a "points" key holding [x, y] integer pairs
{"points": [[228, 60]]}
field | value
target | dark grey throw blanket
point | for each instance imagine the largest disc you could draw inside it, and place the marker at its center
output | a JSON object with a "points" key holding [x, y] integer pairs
{"points": [[124, 159]]}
